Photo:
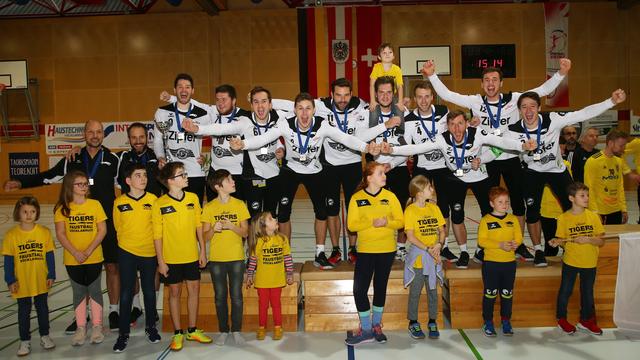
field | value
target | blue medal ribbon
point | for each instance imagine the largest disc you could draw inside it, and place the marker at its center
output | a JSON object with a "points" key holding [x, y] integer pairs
{"points": [[342, 126], [459, 160], [229, 119], [178, 123], [538, 131], [494, 122], [433, 132], [303, 148], [94, 168]]}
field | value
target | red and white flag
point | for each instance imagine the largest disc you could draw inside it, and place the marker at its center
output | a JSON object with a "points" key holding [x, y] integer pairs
{"points": [[369, 36]]}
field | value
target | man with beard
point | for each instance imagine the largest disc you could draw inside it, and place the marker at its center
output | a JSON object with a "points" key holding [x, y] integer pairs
{"points": [[570, 135], [604, 176], [260, 170], [342, 167], [101, 167], [180, 145], [225, 111]]}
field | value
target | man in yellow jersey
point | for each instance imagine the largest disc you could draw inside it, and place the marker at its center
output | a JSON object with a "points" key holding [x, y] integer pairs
{"points": [[180, 248], [132, 219], [604, 175]]}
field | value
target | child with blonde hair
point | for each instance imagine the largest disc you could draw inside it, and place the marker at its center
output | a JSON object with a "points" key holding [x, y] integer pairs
{"points": [[270, 269], [424, 226]]}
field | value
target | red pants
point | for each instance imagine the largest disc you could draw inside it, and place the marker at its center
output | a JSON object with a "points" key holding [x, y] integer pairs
{"points": [[268, 296]]}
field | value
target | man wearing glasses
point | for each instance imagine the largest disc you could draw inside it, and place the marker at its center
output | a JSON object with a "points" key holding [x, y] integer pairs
{"points": [[570, 135]]}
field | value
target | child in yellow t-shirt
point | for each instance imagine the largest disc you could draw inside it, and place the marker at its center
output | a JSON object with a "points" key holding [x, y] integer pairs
{"points": [[270, 269], [80, 228], [180, 249], [386, 104], [580, 233], [224, 223], [386, 67], [499, 236], [29, 270], [424, 226]]}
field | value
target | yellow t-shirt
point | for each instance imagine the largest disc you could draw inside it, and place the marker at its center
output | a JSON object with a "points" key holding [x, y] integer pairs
{"points": [[365, 207], [175, 222], [29, 250], [571, 226], [270, 253], [604, 177], [82, 227], [425, 223], [225, 245], [633, 148], [133, 223], [394, 71], [492, 231], [550, 205]]}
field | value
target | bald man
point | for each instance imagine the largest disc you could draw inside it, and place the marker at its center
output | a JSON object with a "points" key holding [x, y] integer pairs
{"points": [[101, 167]]}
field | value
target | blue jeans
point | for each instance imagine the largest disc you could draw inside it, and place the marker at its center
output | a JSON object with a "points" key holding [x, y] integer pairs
{"points": [[227, 278], [130, 264], [587, 279]]}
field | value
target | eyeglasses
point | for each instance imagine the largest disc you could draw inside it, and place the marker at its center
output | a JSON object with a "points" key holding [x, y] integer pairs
{"points": [[81, 184], [183, 175]]}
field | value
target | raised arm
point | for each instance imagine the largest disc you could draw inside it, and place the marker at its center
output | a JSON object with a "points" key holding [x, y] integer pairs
{"points": [[559, 120], [552, 83], [466, 101]]}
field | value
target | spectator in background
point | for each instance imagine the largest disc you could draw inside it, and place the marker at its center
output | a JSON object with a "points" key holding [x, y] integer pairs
{"points": [[570, 135], [586, 148]]}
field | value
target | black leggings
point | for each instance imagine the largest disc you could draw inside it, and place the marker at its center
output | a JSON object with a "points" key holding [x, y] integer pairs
{"points": [[368, 266], [511, 171], [458, 193], [534, 183], [348, 176], [498, 279], [439, 179], [314, 183]]}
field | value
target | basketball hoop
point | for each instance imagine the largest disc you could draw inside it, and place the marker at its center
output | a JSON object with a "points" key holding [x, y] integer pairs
{"points": [[2, 87]]}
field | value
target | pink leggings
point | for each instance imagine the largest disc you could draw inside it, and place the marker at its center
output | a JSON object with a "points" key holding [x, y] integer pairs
{"points": [[268, 296]]}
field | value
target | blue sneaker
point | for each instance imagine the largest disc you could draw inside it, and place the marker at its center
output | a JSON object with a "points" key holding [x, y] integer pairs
{"points": [[507, 330], [488, 330], [359, 337], [433, 330], [416, 331]]}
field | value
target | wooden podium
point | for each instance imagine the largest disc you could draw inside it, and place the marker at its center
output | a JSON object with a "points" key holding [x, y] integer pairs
{"points": [[329, 303]]}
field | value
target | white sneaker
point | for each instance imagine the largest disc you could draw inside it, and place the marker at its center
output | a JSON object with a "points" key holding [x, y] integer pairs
{"points": [[24, 348], [79, 336], [46, 342], [220, 340], [238, 338], [97, 336]]}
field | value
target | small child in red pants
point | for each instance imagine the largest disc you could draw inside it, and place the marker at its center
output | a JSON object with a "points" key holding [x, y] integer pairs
{"points": [[270, 269]]}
